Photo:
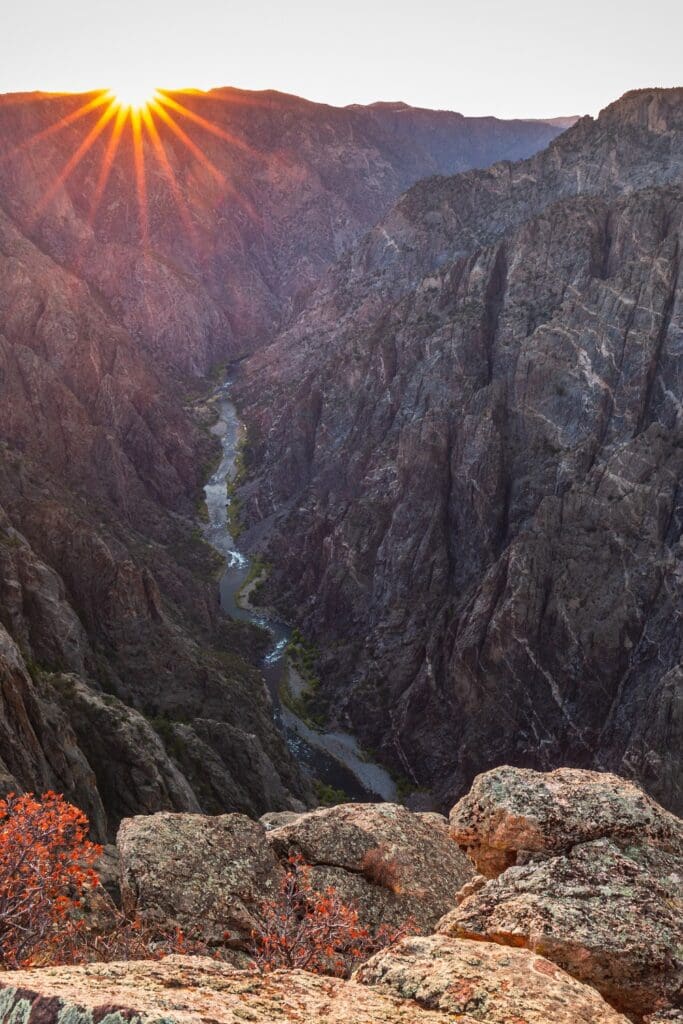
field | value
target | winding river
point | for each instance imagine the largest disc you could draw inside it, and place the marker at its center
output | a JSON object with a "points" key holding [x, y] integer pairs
{"points": [[333, 758]]}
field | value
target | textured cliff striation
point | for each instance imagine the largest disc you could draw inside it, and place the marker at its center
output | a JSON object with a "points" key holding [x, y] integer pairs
{"points": [[467, 463]]}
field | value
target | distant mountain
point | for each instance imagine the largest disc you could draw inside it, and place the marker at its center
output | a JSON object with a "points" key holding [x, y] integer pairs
{"points": [[126, 269], [467, 464], [273, 188], [562, 122]]}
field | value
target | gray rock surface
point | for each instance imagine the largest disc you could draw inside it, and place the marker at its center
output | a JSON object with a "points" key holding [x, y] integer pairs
{"points": [[485, 981], [608, 920], [426, 869], [513, 813], [584, 869], [466, 464], [195, 990], [205, 874]]}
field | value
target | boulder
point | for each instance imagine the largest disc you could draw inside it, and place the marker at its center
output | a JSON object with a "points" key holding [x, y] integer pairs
{"points": [[275, 819], [196, 990], [611, 920], [485, 981], [206, 874], [510, 814], [400, 868]]}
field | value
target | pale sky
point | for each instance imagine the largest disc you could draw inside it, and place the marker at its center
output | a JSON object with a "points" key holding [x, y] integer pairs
{"points": [[521, 58]]}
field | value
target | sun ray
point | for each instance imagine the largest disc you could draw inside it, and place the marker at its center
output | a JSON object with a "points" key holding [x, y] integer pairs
{"points": [[74, 160], [58, 126], [135, 95], [152, 131], [108, 161], [185, 138], [140, 180], [239, 197], [180, 108], [142, 108]]}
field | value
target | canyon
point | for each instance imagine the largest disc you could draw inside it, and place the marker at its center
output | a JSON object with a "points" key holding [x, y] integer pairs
{"points": [[465, 465], [133, 261], [341, 490]]}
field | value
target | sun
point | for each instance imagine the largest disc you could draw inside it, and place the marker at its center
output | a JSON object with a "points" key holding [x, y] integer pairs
{"points": [[133, 95]]}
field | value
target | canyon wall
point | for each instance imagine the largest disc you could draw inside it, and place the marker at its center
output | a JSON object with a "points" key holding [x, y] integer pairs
{"points": [[466, 464], [134, 255]]}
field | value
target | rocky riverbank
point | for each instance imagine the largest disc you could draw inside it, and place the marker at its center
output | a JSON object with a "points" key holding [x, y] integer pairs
{"points": [[333, 761]]}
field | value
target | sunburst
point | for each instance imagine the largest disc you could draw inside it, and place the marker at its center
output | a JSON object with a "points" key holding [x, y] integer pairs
{"points": [[146, 114], [134, 95]]}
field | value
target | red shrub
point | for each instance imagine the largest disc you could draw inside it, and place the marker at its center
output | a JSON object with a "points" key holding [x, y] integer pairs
{"points": [[313, 931], [127, 939], [46, 871], [46, 861]]}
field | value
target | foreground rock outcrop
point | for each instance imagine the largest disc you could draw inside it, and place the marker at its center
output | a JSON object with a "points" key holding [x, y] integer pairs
{"points": [[208, 874], [205, 874], [396, 866], [196, 990], [597, 913], [485, 982], [579, 922], [584, 869], [184, 990], [512, 813]]}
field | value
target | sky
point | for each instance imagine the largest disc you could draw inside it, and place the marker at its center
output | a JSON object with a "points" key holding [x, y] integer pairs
{"points": [[521, 58]]}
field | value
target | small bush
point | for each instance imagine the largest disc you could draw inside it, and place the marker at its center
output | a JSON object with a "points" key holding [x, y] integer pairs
{"points": [[329, 796], [313, 931], [46, 861], [47, 879], [131, 939], [380, 868]]}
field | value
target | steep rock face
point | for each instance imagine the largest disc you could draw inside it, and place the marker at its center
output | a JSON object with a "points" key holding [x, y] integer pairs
{"points": [[466, 464], [100, 576], [123, 267], [39, 748]]}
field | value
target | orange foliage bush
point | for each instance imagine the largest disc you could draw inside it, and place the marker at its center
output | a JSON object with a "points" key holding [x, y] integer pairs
{"points": [[380, 868], [46, 861], [127, 939], [46, 872], [313, 931]]}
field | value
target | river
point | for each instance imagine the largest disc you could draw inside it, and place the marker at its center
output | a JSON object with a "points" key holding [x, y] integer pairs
{"points": [[333, 758]]}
